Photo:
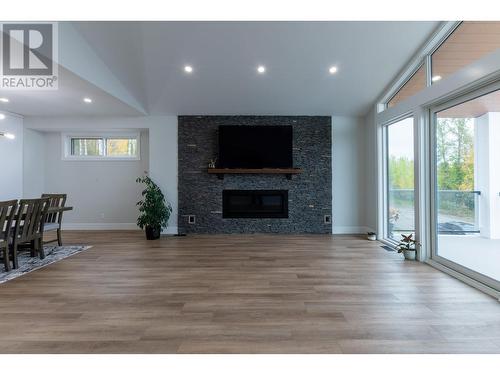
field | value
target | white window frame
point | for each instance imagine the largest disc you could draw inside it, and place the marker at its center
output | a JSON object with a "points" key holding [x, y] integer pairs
{"points": [[477, 75], [434, 257], [384, 178], [409, 74], [66, 146], [421, 58]]}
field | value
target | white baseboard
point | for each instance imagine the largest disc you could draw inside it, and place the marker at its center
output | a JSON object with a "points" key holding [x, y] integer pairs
{"points": [[110, 226], [174, 230], [350, 229], [100, 226]]}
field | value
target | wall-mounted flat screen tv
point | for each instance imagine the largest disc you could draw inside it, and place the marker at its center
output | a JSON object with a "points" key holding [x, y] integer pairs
{"points": [[255, 146]]}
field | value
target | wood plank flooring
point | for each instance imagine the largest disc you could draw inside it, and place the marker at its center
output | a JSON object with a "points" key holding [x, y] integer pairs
{"points": [[242, 294]]}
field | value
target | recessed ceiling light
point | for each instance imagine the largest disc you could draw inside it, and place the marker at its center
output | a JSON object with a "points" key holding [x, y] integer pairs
{"points": [[188, 69], [2, 116], [4, 100], [332, 70], [87, 100], [436, 78], [261, 69]]}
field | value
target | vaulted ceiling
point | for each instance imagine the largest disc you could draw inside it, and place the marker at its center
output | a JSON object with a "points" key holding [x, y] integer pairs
{"points": [[134, 68]]}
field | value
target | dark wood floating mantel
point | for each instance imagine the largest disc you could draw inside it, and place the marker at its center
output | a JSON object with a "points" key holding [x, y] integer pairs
{"points": [[288, 172]]}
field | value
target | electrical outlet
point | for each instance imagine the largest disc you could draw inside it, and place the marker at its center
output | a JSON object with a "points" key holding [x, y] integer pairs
{"points": [[327, 219], [191, 219]]}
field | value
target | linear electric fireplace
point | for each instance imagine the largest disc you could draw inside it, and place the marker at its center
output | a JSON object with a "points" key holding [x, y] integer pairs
{"points": [[255, 203]]}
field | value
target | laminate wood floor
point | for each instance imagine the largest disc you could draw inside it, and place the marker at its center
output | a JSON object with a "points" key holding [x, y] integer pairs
{"points": [[242, 294]]}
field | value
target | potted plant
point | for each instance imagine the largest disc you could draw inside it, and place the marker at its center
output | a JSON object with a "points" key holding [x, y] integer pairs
{"points": [[371, 236], [408, 246], [153, 208]]}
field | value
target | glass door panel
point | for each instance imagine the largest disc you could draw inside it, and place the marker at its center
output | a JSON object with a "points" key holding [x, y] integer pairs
{"points": [[467, 185], [400, 214]]}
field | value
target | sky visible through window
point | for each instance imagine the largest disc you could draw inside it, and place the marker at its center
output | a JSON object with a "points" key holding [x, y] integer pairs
{"points": [[401, 139]]}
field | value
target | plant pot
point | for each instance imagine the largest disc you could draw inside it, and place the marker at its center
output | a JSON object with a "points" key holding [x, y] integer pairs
{"points": [[410, 254], [153, 233], [371, 237]]}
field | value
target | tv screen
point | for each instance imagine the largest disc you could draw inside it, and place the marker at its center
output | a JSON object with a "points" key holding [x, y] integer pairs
{"points": [[255, 146]]}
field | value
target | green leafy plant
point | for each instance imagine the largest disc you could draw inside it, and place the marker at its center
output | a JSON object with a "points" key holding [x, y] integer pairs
{"points": [[407, 243], [154, 209]]}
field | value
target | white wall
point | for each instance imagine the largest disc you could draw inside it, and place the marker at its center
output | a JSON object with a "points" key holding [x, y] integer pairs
{"points": [[349, 179], [103, 193], [371, 168], [163, 162], [494, 191], [349, 175], [108, 187], [33, 164], [11, 155], [486, 174]]}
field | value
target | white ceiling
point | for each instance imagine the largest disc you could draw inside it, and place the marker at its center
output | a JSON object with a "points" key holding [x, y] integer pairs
{"points": [[67, 100], [147, 59]]}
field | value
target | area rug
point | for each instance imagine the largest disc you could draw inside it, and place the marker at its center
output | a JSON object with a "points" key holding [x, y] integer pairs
{"points": [[27, 263]]}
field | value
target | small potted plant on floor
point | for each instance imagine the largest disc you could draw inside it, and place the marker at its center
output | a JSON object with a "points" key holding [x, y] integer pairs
{"points": [[153, 208], [408, 246]]}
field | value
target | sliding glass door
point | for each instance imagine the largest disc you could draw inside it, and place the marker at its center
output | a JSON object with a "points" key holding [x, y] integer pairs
{"points": [[466, 178], [399, 176]]}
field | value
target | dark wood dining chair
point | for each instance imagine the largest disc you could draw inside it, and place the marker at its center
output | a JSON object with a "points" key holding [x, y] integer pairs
{"points": [[54, 219], [7, 212], [28, 230]]}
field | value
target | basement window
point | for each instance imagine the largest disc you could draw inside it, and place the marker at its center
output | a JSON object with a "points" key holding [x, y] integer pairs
{"points": [[101, 146]]}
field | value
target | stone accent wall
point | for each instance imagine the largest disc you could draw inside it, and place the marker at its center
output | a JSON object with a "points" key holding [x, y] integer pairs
{"points": [[309, 193]]}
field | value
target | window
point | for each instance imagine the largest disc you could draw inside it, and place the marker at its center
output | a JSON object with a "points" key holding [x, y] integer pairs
{"points": [[456, 132], [400, 200], [120, 147], [464, 42], [466, 186], [416, 83], [87, 147], [469, 42], [98, 147]]}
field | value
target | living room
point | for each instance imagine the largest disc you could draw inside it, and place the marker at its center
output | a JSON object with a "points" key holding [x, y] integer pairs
{"points": [[250, 187]]}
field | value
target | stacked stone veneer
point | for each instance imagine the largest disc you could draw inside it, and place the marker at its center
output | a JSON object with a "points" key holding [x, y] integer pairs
{"points": [[309, 193]]}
